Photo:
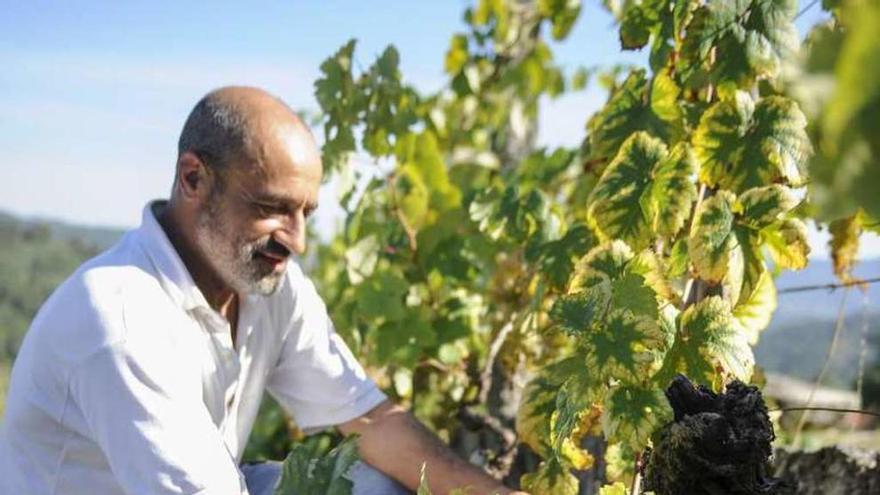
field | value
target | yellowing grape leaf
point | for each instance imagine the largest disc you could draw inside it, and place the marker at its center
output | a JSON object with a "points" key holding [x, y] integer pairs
{"points": [[755, 311], [644, 192], [710, 345], [742, 145], [629, 348], [628, 110], [550, 479], [787, 242], [614, 207], [761, 206], [633, 414], [750, 39], [604, 262], [844, 244], [712, 243], [672, 191]]}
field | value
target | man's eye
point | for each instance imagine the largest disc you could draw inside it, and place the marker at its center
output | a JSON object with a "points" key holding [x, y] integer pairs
{"points": [[269, 210]]}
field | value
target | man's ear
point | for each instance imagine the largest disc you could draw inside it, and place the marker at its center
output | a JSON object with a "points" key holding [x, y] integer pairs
{"points": [[192, 177]]}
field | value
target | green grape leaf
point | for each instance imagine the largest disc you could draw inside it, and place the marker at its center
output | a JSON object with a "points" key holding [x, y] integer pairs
{"points": [[534, 412], [632, 414], [628, 110], [710, 345], [628, 347], [673, 191], [577, 313], [635, 27], [761, 206], [412, 196], [337, 95], [550, 479], [631, 292], [508, 214], [750, 39], [844, 244], [574, 406], [381, 296], [562, 15], [402, 341], [361, 258], [712, 243], [752, 263], [679, 259], [604, 262], [303, 473], [422, 153], [742, 145], [614, 205], [556, 258], [787, 243], [652, 268], [457, 55], [754, 312], [665, 97]]}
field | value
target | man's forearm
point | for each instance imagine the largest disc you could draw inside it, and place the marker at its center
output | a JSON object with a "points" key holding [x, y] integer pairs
{"points": [[396, 443]]}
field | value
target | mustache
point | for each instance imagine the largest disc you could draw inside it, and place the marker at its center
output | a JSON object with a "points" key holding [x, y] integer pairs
{"points": [[272, 247]]}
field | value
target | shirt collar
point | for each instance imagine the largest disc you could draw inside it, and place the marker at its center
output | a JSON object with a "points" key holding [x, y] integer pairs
{"points": [[172, 273]]}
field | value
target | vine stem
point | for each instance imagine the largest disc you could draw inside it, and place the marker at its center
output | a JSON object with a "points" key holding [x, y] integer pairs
{"points": [[689, 284], [838, 327], [494, 349], [828, 409], [829, 287], [636, 486]]}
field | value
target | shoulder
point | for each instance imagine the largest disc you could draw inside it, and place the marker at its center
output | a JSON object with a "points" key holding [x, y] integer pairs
{"points": [[88, 310]]}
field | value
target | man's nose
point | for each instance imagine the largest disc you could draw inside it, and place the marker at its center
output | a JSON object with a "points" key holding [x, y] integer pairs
{"points": [[292, 235]]}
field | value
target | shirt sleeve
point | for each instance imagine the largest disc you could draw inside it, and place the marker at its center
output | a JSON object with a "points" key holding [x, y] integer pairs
{"points": [[317, 379], [156, 434]]}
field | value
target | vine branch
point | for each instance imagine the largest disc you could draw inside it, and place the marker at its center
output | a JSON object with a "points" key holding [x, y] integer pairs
{"points": [[828, 287]]}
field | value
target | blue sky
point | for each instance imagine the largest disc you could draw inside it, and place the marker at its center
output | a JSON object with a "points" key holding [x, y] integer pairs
{"points": [[93, 94]]}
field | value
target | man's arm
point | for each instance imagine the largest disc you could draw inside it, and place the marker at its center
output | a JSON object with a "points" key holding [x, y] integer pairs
{"points": [[396, 443]]}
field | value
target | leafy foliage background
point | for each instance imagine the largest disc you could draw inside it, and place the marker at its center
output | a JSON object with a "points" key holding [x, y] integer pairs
{"points": [[472, 261]]}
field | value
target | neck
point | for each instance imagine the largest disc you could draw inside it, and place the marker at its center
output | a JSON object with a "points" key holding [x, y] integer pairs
{"points": [[218, 293]]}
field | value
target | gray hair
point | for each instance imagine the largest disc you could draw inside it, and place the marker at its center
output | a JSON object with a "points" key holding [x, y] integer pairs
{"points": [[216, 131]]}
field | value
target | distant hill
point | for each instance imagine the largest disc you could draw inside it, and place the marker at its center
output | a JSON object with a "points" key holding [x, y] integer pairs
{"points": [[802, 327], [35, 257]]}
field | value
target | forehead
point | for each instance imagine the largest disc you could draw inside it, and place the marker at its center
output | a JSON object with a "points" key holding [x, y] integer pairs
{"points": [[285, 162]]}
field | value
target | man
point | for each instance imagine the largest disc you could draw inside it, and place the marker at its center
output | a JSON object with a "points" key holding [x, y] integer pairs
{"points": [[143, 372]]}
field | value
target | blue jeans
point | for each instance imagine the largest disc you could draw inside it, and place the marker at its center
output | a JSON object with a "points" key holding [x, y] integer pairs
{"points": [[262, 477]]}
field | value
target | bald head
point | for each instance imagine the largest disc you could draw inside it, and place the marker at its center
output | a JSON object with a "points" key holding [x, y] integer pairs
{"points": [[232, 124]]}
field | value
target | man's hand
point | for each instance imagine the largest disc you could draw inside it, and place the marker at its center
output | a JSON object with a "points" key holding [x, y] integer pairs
{"points": [[396, 443]]}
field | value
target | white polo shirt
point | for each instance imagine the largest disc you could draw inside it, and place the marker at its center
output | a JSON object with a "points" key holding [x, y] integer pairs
{"points": [[128, 383]]}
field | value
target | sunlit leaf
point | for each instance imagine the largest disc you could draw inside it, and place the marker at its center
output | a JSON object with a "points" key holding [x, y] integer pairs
{"points": [[710, 345], [750, 39], [629, 347], [844, 244], [762, 206], [628, 110], [754, 312], [742, 144], [303, 473], [788, 243], [712, 243], [614, 206], [673, 191]]}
